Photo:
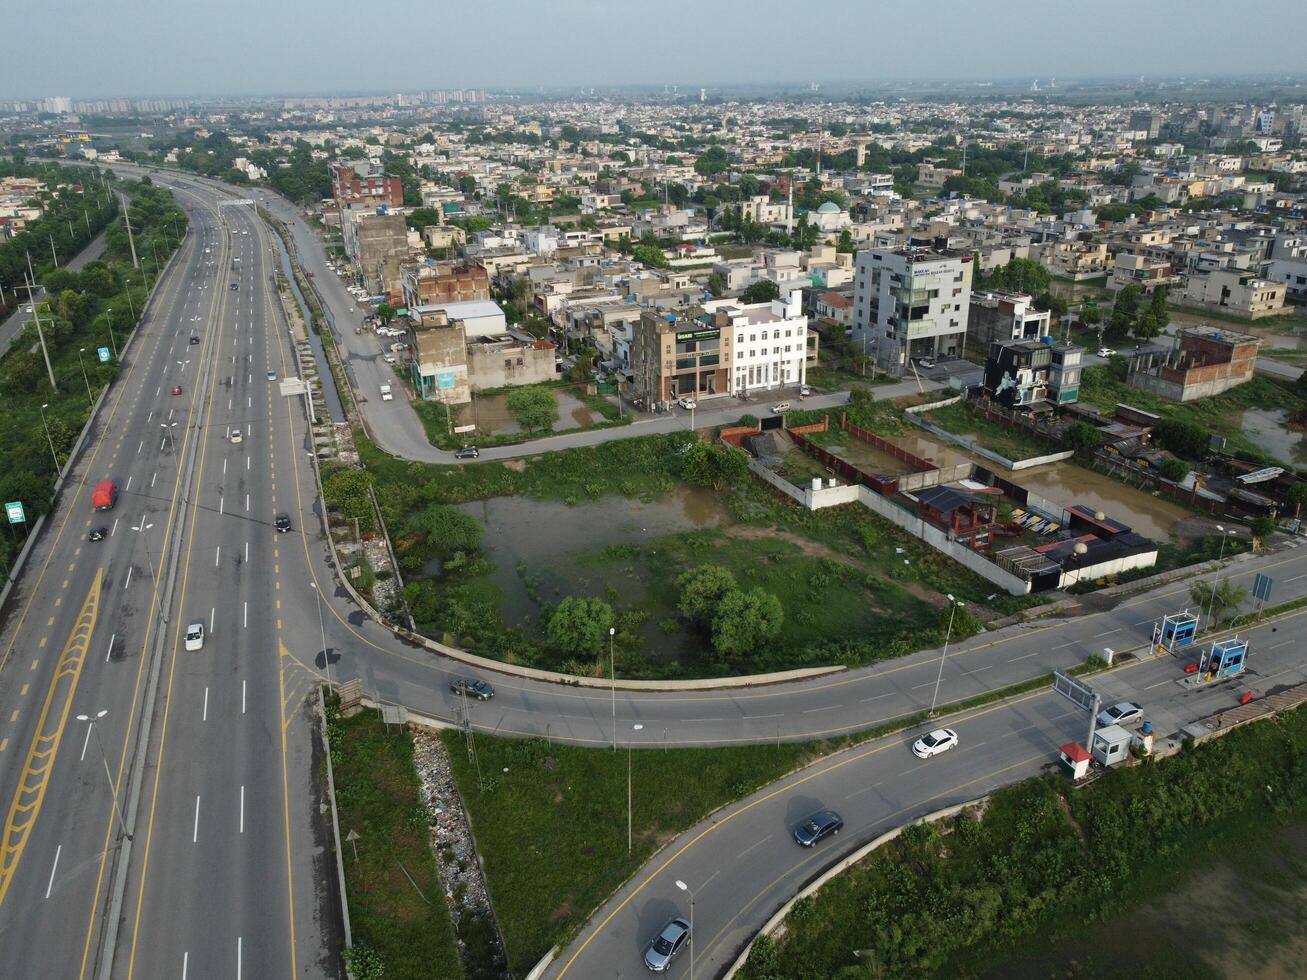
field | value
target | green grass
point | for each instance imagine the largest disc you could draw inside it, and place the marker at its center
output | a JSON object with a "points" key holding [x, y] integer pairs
{"points": [[1220, 415], [378, 796], [435, 420], [963, 418], [957, 899], [1287, 319]]}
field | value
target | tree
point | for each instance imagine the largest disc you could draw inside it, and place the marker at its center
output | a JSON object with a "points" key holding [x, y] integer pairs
{"points": [[1022, 276], [1090, 314], [715, 284], [1262, 528], [385, 312], [745, 621], [846, 243], [467, 184], [578, 627], [447, 529], [717, 465], [1174, 470], [1184, 438], [650, 255], [761, 291], [702, 590], [1146, 325], [1083, 438], [1297, 496], [1219, 596], [1124, 311], [347, 490], [1056, 305], [535, 409]]}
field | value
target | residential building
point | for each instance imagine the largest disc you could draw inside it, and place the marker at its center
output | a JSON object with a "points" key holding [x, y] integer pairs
{"points": [[1288, 264], [768, 341], [911, 303], [1206, 361], [1016, 372], [1147, 123], [438, 368], [1064, 373], [929, 175], [1241, 293], [835, 307], [1076, 260], [1143, 271], [997, 315], [680, 353], [377, 244], [509, 359], [444, 282], [356, 183], [478, 318], [761, 209]]}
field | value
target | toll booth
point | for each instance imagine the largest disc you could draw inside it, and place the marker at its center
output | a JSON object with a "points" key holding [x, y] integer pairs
{"points": [[1175, 632], [1111, 745], [1075, 760], [1225, 659]]}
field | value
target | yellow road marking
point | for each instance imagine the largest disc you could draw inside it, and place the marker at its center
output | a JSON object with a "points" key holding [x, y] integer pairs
{"points": [[41, 643], [23, 690], [4, 744], [30, 794], [34, 663], [14, 716]]}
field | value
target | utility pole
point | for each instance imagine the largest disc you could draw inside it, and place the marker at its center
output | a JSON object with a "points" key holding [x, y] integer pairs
{"points": [[31, 300], [53, 254], [131, 241]]}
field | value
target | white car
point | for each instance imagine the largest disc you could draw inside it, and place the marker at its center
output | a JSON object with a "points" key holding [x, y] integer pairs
{"points": [[388, 358], [236, 437], [686, 402], [933, 743], [195, 636], [1105, 352], [1122, 713], [398, 348], [27, 309]]}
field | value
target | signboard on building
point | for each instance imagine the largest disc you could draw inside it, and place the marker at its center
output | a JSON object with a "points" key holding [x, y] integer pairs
{"points": [[683, 335], [445, 379]]}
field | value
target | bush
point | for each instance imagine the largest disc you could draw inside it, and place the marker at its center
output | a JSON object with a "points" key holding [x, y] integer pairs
{"points": [[535, 409], [445, 529], [745, 621], [1174, 470], [347, 491], [579, 626], [702, 590], [1187, 439]]}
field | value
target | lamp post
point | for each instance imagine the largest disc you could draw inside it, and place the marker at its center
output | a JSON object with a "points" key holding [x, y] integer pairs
{"points": [[612, 675], [85, 379], [46, 426], [689, 891], [953, 608], [112, 340], [130, 305], [1211, 595], [323, 630], [629, 836], [167, 431], [117, 809], [154, 580]]}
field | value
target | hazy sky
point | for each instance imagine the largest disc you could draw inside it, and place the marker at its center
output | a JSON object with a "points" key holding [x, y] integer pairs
{"points": [[182, 47]]}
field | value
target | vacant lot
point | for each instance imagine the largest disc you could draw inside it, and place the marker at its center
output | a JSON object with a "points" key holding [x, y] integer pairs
{"points": [[964, 419]]}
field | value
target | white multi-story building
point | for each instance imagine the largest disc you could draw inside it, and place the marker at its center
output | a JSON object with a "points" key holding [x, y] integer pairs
{"points": [[911, 303], [768, 341]]}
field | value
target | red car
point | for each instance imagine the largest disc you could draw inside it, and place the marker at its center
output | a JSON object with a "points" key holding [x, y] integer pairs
{"points": [[176, 389]]}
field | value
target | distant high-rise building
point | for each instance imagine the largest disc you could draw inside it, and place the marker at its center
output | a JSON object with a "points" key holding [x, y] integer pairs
{"points": [[58, 104], [1146, 122]]}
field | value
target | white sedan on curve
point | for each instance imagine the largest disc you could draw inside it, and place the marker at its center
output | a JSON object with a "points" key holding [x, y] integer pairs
{"points": [[933, 743]]}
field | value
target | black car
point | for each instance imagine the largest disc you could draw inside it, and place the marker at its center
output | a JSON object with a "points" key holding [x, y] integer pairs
{"points": [[471, 688], [235, 285], [98, 534], [817, 827], [467, 452], [282, 523], [194, 339]]}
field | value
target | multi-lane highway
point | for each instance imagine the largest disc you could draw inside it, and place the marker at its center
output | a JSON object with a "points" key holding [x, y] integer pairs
{"points": [[223, 871]]}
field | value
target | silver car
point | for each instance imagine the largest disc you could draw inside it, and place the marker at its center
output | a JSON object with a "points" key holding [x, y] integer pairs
{"points": [[1122, 713], [667, 945]]}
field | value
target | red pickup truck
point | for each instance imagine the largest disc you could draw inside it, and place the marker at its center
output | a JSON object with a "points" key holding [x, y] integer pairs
{"points": [[105, 495]]}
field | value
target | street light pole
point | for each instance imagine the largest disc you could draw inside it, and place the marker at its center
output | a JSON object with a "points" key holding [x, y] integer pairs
{"points": [[322, 629], [46, 426], [167, 431], [112, 340], [612, 675], [1211, 595], [689, 891], [629, 836], [130, 305], [89, 399], [953, 608], [117, 809]]}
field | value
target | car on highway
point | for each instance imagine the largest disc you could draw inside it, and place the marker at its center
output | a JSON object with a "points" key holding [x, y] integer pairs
{"points": [[467, 452], [1105, 352], [282, 522], [194, 340], [272, 375], [195, 636], [235, 285], [472, 688], [97, 534], [236, 437], [1121, 713], [816, 828], [667, 945], [933, 743], [686, 402], [176, 389]]}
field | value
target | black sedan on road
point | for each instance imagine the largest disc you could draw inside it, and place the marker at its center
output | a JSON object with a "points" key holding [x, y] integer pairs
{"points": [[471, 688], [98, 534], [467, 452], [818, 827]]}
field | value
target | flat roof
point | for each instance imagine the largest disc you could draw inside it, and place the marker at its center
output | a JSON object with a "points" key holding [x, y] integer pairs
{"points": [[468, 309]]}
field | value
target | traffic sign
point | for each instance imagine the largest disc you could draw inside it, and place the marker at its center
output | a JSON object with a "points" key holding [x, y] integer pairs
{"points": [[1262, 587], [104, 355], [1075, 691], [14, 511]]}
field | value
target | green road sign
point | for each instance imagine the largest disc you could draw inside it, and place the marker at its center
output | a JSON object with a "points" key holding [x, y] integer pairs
{"points": [[14, 510]]}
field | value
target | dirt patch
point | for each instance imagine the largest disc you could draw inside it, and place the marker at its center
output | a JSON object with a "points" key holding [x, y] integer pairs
{"points": [[516, 465]]}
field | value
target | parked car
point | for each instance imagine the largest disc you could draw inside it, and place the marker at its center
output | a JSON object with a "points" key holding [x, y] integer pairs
{"points": [[282, 522], [398, 348], [686, 402], [1121, 713], [667, 945], [1105, 352], [780, 408], [819, 826], [467, 452], [933, 743], [926, 362], [472, 688], [388, 358], [805, 391], [195, 636], [97, 534]]}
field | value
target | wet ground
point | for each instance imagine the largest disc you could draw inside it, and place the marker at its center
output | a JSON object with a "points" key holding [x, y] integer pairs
{"points": [[490, 414], [1067, 484], [1268, 430], [872, 460]]}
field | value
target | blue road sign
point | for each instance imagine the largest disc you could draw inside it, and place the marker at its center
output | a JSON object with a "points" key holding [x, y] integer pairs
{"points": [[1262, 587], [104, 355]]}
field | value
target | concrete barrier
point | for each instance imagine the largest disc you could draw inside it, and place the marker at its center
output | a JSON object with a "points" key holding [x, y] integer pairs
{"points": [[838, 868]]}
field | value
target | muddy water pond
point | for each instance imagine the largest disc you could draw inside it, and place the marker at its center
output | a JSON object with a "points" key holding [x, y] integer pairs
{"points": [[870, 459], [1268, 430], [490, 414], [1067, 484], [533, 544]]}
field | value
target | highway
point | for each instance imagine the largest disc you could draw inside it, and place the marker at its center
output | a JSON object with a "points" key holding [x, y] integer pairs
{"points": [[226, 865]]}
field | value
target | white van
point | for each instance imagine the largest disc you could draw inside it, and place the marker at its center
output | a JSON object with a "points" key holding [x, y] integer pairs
{"points": [[386, 393]]}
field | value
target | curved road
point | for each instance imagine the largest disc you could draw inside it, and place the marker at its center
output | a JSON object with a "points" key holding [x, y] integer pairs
{"points": [[751, 867]]}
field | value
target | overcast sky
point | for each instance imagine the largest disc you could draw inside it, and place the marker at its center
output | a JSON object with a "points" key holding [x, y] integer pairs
{"points": [[182, 47]]}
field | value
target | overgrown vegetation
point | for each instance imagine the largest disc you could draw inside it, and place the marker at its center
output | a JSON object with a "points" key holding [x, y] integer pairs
{"points": [[396, 902], [950, 899], [965, 419]]}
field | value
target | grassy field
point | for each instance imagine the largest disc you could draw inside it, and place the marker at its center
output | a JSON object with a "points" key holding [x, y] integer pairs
{"points": [[962, 418], [439, 431], [378, 796], [1220, 415], [958, 899]]}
